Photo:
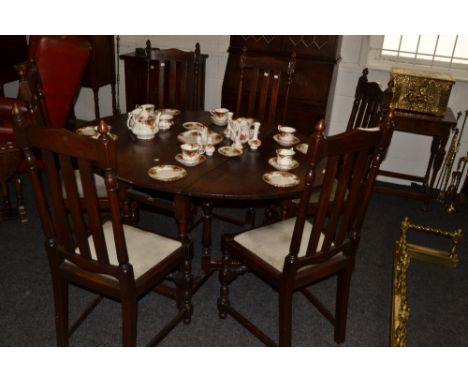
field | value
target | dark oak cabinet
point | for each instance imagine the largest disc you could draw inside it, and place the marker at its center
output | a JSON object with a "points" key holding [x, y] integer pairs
{"points": [[142, 80], [314, 77]]}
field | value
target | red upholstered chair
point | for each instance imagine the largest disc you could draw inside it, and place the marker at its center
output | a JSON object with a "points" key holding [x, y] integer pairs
{"points": [[49, 84], [61, 62]]}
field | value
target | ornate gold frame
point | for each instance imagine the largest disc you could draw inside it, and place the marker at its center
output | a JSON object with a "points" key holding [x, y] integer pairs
{"points": [[403, 254]]}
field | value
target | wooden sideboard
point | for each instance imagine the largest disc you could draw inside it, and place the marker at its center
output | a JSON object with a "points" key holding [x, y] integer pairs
{"points": [[314, 78], [141, 80]]}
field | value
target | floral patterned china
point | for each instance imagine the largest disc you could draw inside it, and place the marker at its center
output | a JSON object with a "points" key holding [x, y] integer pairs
{"points": [[173, 112], [193, 125], [189, 163], [192, 135], [274, 162], [229, 151], [294, 141], [167, 172], [302, 148], [281, 179], [91, 132]]}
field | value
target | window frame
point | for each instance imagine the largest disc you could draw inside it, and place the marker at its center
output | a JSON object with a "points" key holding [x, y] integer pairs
{"points": [[375, 60]]}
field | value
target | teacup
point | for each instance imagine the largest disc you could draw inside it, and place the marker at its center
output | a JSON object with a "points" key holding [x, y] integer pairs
{"points": [[166, 121], [284, 157], [190, 152], [219, 116], [286, 133], [254, 144]]}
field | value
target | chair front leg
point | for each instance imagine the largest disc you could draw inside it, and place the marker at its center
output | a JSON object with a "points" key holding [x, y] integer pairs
{"points": [[61, 310], [342, 297], [129, 321], [285, 316]]}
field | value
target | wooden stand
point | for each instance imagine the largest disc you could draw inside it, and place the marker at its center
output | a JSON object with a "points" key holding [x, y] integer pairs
{"points": [[423, 124]]}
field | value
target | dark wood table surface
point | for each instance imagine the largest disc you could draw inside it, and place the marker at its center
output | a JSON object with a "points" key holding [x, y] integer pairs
{"points": [[219, 177]]}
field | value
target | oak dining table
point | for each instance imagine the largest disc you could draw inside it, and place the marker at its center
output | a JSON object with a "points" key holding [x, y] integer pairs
{"points": [[237, 179]]}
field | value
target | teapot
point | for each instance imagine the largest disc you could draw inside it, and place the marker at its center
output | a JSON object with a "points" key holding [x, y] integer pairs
{"points": [[143, 121]]}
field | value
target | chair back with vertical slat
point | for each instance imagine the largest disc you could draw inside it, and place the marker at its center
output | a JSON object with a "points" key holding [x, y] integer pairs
{"points": [[67, 219], [370, 103], [264, 85], [345, 166], [177, 78]]}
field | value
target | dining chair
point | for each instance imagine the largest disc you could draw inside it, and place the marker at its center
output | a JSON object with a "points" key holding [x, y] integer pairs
{"points": [[173, 78], [264, 85], [370, 103], [109, 258], [293, 254]]}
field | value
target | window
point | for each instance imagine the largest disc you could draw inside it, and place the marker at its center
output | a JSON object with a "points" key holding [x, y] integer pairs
{"points": [[449, 52]]}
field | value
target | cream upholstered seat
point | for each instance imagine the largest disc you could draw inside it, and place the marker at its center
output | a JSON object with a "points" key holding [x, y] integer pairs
{"points": [[271, 242], [146, 249]]}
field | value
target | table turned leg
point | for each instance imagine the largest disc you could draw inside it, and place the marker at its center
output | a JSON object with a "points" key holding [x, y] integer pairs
{"points": [[182, 215], [206, 237]]}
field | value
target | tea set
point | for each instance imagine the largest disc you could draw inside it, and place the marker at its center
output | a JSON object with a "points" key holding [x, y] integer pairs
{"points": [[198, 142], [145, 121]]}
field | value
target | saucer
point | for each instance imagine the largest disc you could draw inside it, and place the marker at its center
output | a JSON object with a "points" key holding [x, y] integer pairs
{"points": [[191, 137], [302, 148], [193, 125], [190, 163], [274, 162], [167, 172], [281, 179], [229, 151], [173, 112], [292, 142]]}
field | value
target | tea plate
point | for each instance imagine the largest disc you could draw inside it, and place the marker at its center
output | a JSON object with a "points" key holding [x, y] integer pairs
{"points": [[229, 151], [91, 132], [191, 137], [167, 172], [173, 112], [281, 179], [193, 125], [190, 163], [274, 162], [302, 148], [284, 143]]}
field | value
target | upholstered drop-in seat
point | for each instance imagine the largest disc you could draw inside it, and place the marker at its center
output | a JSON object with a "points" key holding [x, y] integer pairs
{"points": [[271, 243], [146, 249]]}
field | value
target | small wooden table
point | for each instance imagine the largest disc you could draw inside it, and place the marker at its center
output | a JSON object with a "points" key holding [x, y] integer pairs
{"points": [[436, 127]]}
